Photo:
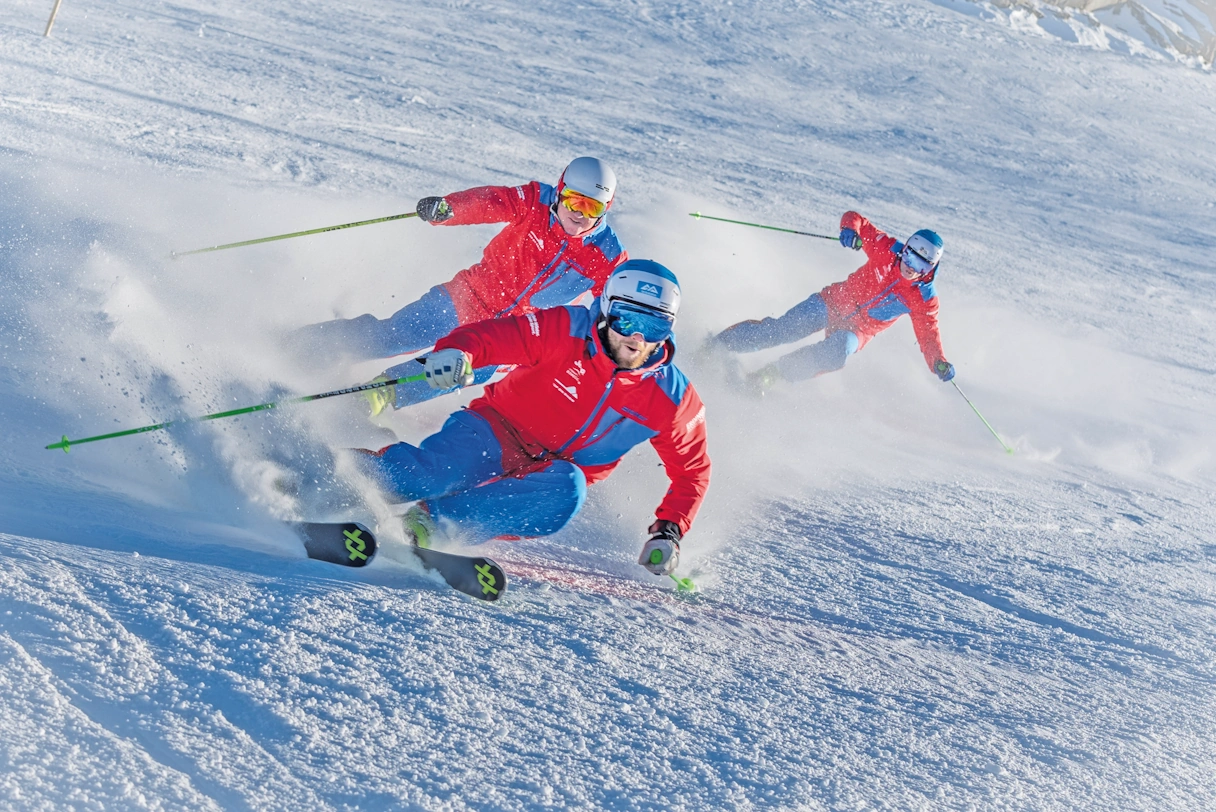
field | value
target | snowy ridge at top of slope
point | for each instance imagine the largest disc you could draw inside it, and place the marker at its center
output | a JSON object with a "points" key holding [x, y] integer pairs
{"points": [[1182, 30]]}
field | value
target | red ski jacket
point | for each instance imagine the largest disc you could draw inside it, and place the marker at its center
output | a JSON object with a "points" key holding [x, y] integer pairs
{"points": [[566, 399], [532, 263], [876, 294]]}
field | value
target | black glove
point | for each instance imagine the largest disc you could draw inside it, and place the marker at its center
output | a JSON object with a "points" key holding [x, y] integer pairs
{"points": [[434, 209], [666, 529]]}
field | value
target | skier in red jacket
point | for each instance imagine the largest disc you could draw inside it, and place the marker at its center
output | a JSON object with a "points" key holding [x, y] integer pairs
{"points": [[589, 385], [555, 247], [896, 279]]}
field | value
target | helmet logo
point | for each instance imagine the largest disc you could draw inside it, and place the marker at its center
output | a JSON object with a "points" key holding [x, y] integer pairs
{"points": [[650, 289]]}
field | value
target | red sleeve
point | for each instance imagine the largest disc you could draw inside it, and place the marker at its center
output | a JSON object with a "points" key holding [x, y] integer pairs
{"points": [[874, 241], [490, 204], [511, 340], [924, 324], [684, 450]]}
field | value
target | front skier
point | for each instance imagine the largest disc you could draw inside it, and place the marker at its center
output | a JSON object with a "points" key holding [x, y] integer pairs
{"points": [[556, 246], [590, 384], [896, 279]]}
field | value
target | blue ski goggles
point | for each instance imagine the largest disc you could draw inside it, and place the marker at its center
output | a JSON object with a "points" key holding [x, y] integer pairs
{"points": [[916, 262], [630, 319]]}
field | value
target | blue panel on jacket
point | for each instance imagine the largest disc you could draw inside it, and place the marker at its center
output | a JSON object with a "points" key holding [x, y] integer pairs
{"points": [[614, 435], [889, 309]]}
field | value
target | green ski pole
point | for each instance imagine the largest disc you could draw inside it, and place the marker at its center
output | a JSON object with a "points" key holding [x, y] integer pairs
{"points": [[1008, 450], [683, 585], [700, 216], [176, 254], [65, 443]]}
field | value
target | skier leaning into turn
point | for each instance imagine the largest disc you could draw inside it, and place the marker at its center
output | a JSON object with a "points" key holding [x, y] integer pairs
{"points": [[556, 246], [588, 386], [896, 279]]}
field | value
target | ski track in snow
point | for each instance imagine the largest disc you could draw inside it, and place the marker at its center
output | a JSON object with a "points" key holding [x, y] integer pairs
{"points": [[892, 614]]}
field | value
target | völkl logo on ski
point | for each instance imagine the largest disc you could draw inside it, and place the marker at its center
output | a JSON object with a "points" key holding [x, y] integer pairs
{"points": [[355, 545], [485, 577]]}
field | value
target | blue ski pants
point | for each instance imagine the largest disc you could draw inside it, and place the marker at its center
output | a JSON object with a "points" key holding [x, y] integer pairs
{"points": [[413, 328], [457, 472], [806, 317]]}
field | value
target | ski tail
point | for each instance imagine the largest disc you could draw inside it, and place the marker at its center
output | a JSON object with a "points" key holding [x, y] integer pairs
{"points": [[352, 545], [349, 545], [477, 576]]}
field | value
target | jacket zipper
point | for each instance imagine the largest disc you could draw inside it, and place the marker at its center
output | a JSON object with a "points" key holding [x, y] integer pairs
{"points": [[595, 412], [539, 276], [869, 302]]}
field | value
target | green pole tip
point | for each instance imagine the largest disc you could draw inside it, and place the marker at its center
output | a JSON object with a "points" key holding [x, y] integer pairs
{"points": [[61, 444], [695, 214], [683, 584]]}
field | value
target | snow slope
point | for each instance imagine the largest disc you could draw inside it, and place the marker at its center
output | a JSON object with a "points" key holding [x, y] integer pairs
{"points": [[894, 614], [1184, 30]]}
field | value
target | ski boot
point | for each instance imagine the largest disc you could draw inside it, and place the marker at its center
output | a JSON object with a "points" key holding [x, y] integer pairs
{"points": [[753, 384], [380, 399], [762, 380], [419, 526]]}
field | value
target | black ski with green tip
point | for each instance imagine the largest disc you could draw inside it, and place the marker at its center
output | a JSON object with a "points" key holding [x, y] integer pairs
{"points": [[353, 545]]}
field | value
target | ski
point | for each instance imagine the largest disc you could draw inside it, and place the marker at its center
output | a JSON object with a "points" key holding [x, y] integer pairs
{"points": [[473, 575], [350, 544]]}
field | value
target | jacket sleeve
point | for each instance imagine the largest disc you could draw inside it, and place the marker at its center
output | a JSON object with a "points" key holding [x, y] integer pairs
{"points": [[490, 204], [874, 241], [520, 340], [924, 324], [684, 450]]}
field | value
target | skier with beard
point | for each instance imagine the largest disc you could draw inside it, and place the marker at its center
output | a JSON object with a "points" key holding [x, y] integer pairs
{"points": [[588, 385], [896, 279], [556, 246]]}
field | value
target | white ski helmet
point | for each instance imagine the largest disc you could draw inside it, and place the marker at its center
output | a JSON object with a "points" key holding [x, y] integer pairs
{"points": [[591, 178], [923, 251], [643, 297], [643, 282]]}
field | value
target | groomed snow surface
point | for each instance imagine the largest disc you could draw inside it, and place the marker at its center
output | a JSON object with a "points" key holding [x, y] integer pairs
{"points": [[893, 614]]}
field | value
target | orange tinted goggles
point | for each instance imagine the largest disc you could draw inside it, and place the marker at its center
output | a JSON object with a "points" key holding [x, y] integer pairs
{"points": [[582, 204]]}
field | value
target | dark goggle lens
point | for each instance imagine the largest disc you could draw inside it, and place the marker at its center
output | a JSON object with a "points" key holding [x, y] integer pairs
{"points": [[628, 320], [916, 262]]}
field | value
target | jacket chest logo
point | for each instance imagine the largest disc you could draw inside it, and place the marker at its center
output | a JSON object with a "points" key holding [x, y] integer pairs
{"points": [[540, 244], [568, 385]]}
